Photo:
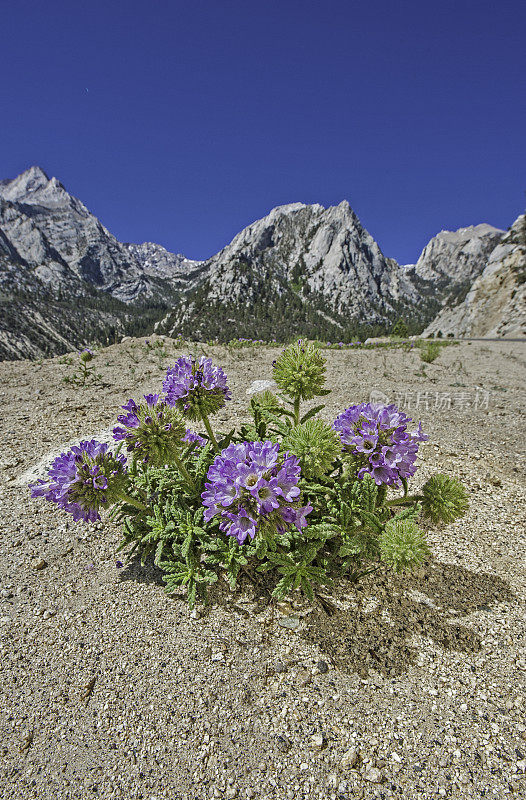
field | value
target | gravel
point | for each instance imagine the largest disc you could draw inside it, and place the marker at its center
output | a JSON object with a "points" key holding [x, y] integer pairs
{"points": [[400, 687]]}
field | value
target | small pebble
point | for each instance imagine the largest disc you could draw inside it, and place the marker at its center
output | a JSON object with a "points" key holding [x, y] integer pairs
{"points": [[317, 740], [292, 623], [373, 775], [350, 758]]}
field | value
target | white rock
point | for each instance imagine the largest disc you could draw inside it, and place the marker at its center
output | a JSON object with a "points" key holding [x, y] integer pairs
{"points": [[261, 386]]}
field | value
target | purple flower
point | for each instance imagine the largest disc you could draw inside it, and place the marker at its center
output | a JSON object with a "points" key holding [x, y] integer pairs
{"points": [[379, 441], [191, 436], [83, 480], [253, 487], [197, 388]]}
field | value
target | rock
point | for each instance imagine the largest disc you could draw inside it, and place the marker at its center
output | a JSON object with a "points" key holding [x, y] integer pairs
{"points": [[292, 623], [373, 775], [283, 744], [317, 740], [322, 667], [217, 657], [457, 257], [39, 563], [303, 677], [351, 758], [280, 667], [377, 340], [261, 386]]}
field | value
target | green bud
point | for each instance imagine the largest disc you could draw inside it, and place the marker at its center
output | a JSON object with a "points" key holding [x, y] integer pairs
{"points": [[300, 370], [158, 437], [444, 499], [315, 444], [266, 401], [403, 544]]}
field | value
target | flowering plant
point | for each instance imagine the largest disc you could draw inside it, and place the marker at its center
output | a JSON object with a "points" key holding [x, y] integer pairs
{"points": [[291, 495]]}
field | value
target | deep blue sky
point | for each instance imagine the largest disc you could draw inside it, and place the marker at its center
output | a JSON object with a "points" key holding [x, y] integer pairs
{"points": [[182, 122]]}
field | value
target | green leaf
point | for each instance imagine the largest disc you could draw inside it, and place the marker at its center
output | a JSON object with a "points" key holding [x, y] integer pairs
{"points": [[323, 531], [371, 521], [227, 439], [312, 413], [283, 587]]}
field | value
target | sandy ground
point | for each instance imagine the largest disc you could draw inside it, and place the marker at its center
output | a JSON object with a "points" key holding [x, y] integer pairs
{"points": [[413, 687]]}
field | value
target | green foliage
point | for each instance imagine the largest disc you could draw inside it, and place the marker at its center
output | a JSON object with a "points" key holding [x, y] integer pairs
{"points": [[430, 352], [444, 499], [400, 329], [298, 571], [84, 370]]}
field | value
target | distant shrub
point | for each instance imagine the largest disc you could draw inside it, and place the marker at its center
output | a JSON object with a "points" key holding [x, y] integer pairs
{"points": [[430, 352]]}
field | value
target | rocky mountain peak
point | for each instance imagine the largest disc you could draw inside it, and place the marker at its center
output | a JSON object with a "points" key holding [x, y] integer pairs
{"points": [[61, 241], [25, 184], [321, 261], [453, 258]]}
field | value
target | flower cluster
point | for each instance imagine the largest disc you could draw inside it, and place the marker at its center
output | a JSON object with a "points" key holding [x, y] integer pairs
{"points": [[82, 481], [197, 388], [378, 439], [152, 431], [253, 487]]}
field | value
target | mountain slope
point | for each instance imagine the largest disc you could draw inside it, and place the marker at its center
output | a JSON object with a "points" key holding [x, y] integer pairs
{"points": [[65, 280], [47, 226], [495, 305]]}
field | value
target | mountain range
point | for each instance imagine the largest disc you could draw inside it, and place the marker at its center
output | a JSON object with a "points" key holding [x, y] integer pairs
{"points": [[66, 281]]}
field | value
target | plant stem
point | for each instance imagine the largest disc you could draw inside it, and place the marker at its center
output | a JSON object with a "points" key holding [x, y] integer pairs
{"points": [[297, 410], [382, 491], [210, 432], [132, 501], [184, 472], [405, 501]]}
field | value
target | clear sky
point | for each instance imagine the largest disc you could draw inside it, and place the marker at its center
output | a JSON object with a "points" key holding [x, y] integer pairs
{"points": [[182, 122]]}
